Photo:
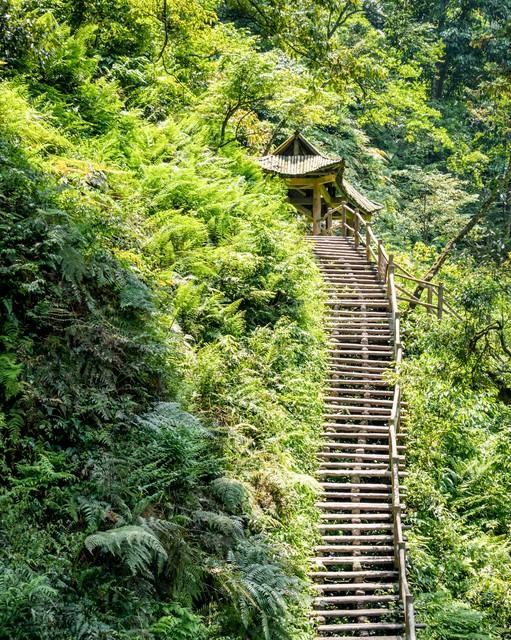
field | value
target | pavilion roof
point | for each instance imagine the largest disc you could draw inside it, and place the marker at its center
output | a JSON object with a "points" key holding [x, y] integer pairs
{"points": [[295, 166], [299, 157]]}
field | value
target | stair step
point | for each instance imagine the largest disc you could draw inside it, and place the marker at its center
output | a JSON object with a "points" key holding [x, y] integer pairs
{"points": [[350, 465], [356, 599], [354, 485], [330, 455], [361, 339], [353, 575], [366, 473], [348, 548], [365, 435], [351, 613], [368, 368], [357, 526], [353, 464], [355, 434], [363, 506], [344, 269], [375, 304], [361, 314], [359, 495], [366, 383], [356, 317], [350, 345], [361, 352], [346, 587], [343, 637], [337, 429], [345, 539], [357, 391], [356, 416], [365, 377], [371, 517], [341, 290], [367, 446], [367, 403], [363, 626]]}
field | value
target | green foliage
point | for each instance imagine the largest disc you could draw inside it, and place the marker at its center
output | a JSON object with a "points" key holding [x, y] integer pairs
{"points": [[432, 211], [123, 515], [149, 270], [133, 545], [179, 624], [457, 376]]}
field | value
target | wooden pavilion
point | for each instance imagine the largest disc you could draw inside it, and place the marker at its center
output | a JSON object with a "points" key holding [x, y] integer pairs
{"points": [[316, 182]]}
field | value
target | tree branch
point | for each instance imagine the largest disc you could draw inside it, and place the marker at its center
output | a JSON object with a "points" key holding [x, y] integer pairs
{"points": [[166, 31], [463, 232]]}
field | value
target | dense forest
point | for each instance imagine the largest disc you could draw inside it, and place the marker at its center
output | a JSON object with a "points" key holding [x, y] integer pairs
{"points": [[161, 340]]}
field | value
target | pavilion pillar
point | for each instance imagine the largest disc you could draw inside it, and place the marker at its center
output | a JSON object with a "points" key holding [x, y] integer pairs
{"points": [[316, 210]]}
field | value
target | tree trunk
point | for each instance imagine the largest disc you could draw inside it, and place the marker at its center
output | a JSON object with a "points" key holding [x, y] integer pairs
{"points": [[464, 231], [442, 67]]}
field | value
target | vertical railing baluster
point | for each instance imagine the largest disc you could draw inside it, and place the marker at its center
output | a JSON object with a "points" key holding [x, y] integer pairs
{"points": [[440, 295]]}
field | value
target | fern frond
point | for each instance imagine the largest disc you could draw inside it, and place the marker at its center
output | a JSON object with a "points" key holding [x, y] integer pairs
{"points": [[135, 546], [231, 493], [228, 526]]}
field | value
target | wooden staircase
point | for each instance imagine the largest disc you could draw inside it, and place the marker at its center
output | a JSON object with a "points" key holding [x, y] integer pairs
{"points": [[359, 570]]}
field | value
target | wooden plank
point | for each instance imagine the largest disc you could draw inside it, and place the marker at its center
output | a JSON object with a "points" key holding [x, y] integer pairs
{"points": [[351, 613], [310, 182]]}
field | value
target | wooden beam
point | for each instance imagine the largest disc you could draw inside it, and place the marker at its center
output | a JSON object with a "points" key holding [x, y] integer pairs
{"points": [[325, 194], [307, 201], [310, 182], [302, 209]]}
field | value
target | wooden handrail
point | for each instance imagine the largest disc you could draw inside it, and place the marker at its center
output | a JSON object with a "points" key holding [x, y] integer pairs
{"points": [[409, 297], [364, 236], [394, 427], [417, 280], [387, 274]]}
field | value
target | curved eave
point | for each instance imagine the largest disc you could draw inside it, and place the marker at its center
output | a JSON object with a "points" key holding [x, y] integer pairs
{"points": [[356, 198], [299, 166]]}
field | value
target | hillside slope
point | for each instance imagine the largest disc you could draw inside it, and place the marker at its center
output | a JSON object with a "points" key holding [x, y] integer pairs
{"points": [[161, 339]]}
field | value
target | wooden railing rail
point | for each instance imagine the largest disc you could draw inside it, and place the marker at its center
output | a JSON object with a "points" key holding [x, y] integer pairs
{"points": [[388, 271], [394, 428], [364, 236]]}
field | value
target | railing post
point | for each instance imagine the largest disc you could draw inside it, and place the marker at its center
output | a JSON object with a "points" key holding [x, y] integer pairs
{"points": [[316, 210], [368, 242], [356, 225], [390, 270], [409, 618], [380, 256], [440, 295], [328, 222], [343, 221], [430, 298]]}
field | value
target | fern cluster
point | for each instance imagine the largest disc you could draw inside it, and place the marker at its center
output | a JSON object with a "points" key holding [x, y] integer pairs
{"points": [[160, 356]]}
